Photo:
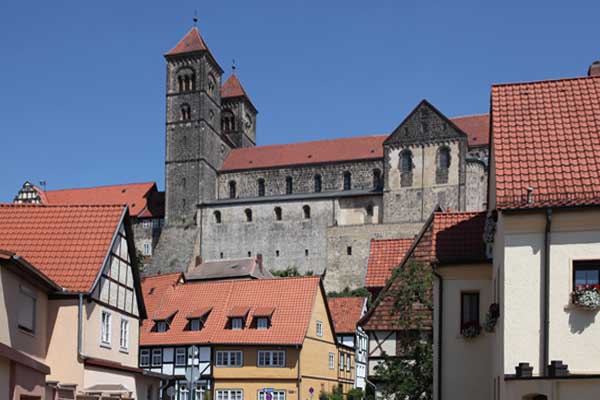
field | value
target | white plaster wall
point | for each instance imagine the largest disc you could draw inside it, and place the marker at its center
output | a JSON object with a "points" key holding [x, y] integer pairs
{"points": [[587, 389], [466, 363]]}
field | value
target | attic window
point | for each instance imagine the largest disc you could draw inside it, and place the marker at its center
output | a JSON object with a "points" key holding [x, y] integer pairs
{"points": [[237, 323], [197, 318], [163, 321], [123, 190], [237, 317], [262, 323], [262, 317], [151, 291], [162, 326]]}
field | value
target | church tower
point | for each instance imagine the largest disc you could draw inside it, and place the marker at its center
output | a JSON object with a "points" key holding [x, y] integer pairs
{"points": [[238, 113], [195, 145]]}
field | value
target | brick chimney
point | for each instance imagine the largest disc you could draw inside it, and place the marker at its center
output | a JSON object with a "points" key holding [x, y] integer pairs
{"points": [[594, 69]]}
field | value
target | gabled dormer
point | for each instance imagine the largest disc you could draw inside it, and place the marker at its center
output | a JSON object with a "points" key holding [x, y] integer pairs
{"points": [[197, 318], [237, 317]]}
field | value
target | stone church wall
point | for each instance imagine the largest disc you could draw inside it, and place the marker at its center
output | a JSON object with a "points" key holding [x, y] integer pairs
{"points": [[476, 186], [303, 178]]}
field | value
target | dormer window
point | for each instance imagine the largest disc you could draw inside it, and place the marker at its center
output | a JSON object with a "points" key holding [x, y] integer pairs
{"points": [[161, 326], [237, 317], [197, 318], [262, 323], [162, 320], [237, 323]]}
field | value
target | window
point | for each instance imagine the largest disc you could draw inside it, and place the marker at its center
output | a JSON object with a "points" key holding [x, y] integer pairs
{"points": [[227, 121], [406, 164], [230, 394], [161, 326], [306, 210], [229, 359], [348, 362], [306, 252], [586, 273], [443, 165], [278, 213], [186, 80], [289, 185], [236, 323], [274, 358], [106, 328], [276, 253], [147, 249], [261, 187], [186, 112], [124, 342], [217, 216], [275, 395], [319, 328], [212, 83], [146, 223], [262, 323], [180, 357], [248, 213], [349, 250], [144, 358], [249, 254], [347, 180], [232, 192], [156, 357], [377, 183], [195, 324], [470, 309], [27, 306], [318, 183], [331, 360], [342, 361]]}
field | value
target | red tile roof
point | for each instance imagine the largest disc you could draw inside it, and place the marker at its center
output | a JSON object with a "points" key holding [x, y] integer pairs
{"points": [[66, 243], [345, 312], [135, 195], [334, 150], [154, 287], [289, 322], [198, 313], [447, 238], [477, 127], [192, 41], [546, 136], [384, 256], [233, 88]]}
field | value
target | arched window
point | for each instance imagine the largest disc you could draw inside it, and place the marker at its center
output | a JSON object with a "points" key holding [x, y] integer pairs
{"points": [[347, 180], [278, 213], [232, 192], [217, 215], [406, 167], [377, 182], [186, 112], [443, 165], [306, 211], [406, 164], [227, 121], [212, 84], [318, 183], [186, 79], [248, 213], [261, 187], [183, 182], [289, 185], [182, 203]]}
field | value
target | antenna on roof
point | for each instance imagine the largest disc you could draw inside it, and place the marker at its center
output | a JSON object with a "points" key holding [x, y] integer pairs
{"points": [[233, 66], [43, 185], [195, 18]]}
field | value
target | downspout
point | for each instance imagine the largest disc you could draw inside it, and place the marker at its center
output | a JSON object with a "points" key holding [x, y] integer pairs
{"points": [[546, 314], [80, 354], [440, 325], [299, 372]]}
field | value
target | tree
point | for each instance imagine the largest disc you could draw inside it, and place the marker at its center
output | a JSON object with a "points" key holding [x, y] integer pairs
{"points": [[410, 376]]}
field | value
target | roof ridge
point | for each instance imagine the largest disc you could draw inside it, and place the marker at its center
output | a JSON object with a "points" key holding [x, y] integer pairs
{"points": [[100, 186], [312, 141], [576, 78], [470, 115], [384, 240], [458, 212], [23, 205]]}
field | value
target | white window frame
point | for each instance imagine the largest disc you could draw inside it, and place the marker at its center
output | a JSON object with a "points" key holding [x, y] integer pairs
{"points": [[229, 394], [159, 353], [331, 360], [234, 325], [180, 352], [262, 323], [348, 362], [223, 359], [147, 249], [342, 361], [195, 324], [268, 361], [320, 328], [162, 326], [276, 395], [144, 355], [105, 328], [124, 332], [30, 294]]}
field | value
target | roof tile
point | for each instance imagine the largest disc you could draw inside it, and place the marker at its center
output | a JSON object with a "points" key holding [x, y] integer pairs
{"points": [[345, 312]]}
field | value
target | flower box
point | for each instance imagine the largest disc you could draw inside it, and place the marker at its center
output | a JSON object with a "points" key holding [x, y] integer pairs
{"points": [[586, 297], [470, 330]]}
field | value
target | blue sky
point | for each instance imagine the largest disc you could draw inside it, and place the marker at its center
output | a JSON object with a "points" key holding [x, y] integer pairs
{"points": [[82, 82]]}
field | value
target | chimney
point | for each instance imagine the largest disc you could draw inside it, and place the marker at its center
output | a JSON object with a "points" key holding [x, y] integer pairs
{"points": [[594, 69]]}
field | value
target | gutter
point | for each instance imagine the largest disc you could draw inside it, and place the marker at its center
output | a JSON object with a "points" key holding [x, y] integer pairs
{"points": [[439, 334], [546, 294]]}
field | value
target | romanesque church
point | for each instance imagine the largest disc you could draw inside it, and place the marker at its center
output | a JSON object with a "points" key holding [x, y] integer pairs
{"points": [[314, 206]]}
